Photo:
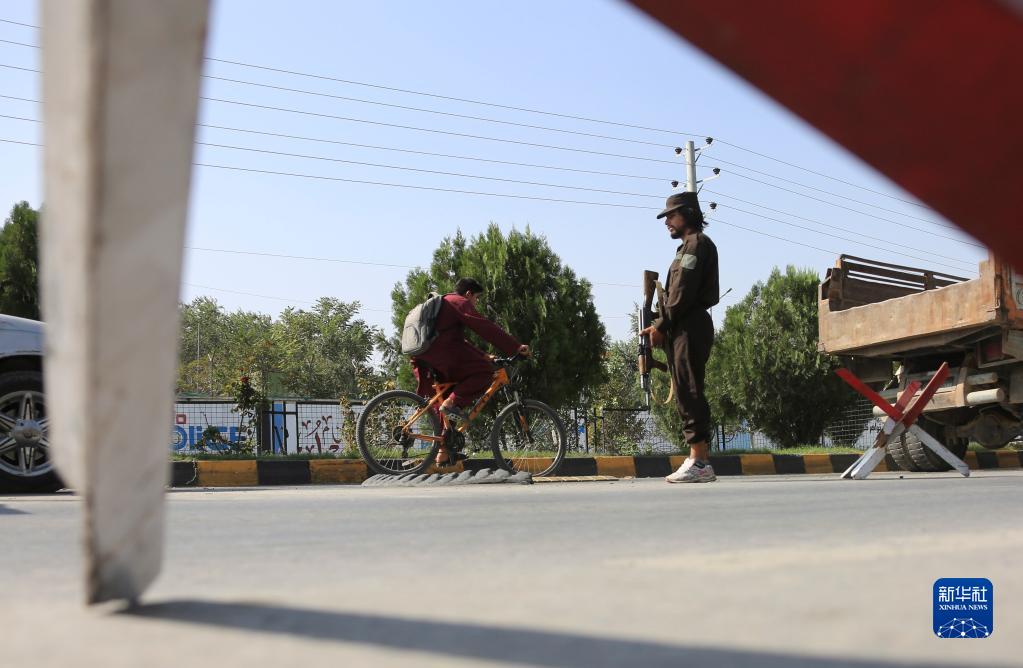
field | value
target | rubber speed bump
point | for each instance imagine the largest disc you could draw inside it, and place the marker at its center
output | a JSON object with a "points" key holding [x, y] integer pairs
{"points": [[481, 477]]}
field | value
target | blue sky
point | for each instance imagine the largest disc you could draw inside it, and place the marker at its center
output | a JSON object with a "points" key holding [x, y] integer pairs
{"points": [[597, 59]]}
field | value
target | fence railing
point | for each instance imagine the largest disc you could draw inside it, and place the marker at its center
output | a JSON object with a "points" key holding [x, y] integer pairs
{"points": [[328, 427], [637, 431]]}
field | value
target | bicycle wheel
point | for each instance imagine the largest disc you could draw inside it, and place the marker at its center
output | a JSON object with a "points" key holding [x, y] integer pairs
{"points": [[385, 446], [528, 436]]}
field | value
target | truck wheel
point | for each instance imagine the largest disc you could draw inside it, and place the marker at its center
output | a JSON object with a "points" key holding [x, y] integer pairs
{"points": [[900, 453], [924, 457]]}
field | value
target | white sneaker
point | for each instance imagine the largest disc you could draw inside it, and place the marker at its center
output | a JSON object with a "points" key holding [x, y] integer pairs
{"points": [[680, 473], [691, 472]]}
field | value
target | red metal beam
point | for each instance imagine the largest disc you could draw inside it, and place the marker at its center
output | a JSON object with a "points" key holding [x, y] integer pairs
{"points": [[926, 91]]}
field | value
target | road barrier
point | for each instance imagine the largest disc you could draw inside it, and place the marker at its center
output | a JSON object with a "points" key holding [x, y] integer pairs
{"points": [[252, 472]]}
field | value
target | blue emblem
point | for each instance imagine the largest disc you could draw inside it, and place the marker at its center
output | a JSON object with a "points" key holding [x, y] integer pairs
{"points": [[964, 608]]}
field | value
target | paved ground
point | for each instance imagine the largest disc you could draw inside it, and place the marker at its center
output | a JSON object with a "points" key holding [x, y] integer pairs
{"points": [[779, 571]]}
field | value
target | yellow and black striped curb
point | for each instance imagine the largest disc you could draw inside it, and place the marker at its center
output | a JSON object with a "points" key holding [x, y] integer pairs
{"points": [[251, 472]]}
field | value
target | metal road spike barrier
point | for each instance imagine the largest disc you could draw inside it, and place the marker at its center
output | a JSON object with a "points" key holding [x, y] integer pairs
{"points": [[121, 85], [901, 418]]}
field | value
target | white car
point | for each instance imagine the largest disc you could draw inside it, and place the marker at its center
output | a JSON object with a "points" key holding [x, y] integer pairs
{"points": [[25, 464]]}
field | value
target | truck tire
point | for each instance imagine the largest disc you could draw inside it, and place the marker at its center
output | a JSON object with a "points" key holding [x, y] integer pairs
{"points": [[900, 454], [923, 457]]}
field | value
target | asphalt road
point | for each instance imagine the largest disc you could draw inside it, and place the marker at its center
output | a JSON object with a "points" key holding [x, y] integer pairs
{"points": [[761, 571]]}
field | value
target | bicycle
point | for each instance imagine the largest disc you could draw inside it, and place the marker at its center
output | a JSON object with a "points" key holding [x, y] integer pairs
{"points": [[400, 432]]}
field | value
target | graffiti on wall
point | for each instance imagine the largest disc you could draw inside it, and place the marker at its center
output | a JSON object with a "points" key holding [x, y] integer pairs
{"points": [[191, 420], [321, 436]]}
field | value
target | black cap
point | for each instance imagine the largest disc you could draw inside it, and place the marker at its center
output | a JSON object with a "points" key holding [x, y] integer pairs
{"points": [[679, 201]]}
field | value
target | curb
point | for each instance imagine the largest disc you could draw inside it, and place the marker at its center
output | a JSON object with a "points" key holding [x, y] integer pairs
{"points": [[253, 473]]}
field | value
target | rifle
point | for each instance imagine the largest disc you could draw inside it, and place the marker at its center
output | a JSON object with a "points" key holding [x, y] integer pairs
{"points": [[646, 318]]}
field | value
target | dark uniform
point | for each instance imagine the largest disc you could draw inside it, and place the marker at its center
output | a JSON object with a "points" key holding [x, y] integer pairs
{"points": [[690, 290]]}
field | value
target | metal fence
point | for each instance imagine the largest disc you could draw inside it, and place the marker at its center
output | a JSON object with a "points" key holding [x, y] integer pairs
{"points": [[284, 427], [637, 431], [328, 427]]}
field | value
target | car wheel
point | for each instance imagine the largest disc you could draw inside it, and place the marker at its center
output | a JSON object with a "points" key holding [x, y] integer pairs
{"points": [[25, 463]]}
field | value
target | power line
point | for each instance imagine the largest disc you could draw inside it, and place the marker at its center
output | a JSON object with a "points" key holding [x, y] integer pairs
{"points": [[26, 25], [842, 206], [438, 96], [608, 204], [20, 118], [548, 185], [23, 69], [401, 106], [538, 127], [395, 185], [765, 234], [534, 111], [826, 192], [931, 222], [464, 135], [23, 99], [381, 148], [811, 220], [338, 260], [862, 213], [8, 41], [379, 264], [599, 190], [436, 155], [823, 175], [353, 119], [438, 112], [718, 160], [282, 299], [513, 196], [449, 97], [302, 257], [560, 115], [306, 301], [428, 171], [415, 187], [800, 243], [854, 241], [580, 188]]}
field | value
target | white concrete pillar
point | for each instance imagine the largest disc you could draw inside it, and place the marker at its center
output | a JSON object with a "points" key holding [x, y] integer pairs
{"points": [[120, 83]]}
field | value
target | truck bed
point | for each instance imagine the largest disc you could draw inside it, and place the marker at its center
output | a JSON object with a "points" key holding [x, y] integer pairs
{"points": [[875, 309]]}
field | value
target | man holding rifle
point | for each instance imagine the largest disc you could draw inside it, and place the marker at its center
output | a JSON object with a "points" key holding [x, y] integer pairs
{"points": [[685, 329]]}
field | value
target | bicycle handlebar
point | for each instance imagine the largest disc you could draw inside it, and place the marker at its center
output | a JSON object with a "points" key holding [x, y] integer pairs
{"points": [[508, 361]]}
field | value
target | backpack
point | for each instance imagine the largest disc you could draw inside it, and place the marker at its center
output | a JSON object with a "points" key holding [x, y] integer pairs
{"points": [[420, 328]]}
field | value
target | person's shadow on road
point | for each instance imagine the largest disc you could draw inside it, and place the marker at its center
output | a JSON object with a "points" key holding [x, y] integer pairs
{"points": [[474, 641]]}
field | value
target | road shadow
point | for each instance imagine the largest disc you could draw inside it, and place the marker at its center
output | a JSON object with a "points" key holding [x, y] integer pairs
{"points": [[4, 510], [474, 641]]}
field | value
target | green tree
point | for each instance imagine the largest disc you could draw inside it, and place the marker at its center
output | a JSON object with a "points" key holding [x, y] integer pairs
{"points": [[324, 352], [19, 263], [327, 351], [202, 347], [620, 428], [765, 367], [532, 295]]}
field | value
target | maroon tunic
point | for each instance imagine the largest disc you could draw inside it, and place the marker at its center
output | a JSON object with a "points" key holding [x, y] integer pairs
{"points": [[456, 360]]}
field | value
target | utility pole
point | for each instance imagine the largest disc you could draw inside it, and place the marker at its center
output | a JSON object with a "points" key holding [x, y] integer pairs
{"points": [[690, 154], [690, 158]]}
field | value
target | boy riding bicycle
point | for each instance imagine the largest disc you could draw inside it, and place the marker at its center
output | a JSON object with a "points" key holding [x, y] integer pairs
{"points": [[453, 359]]}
